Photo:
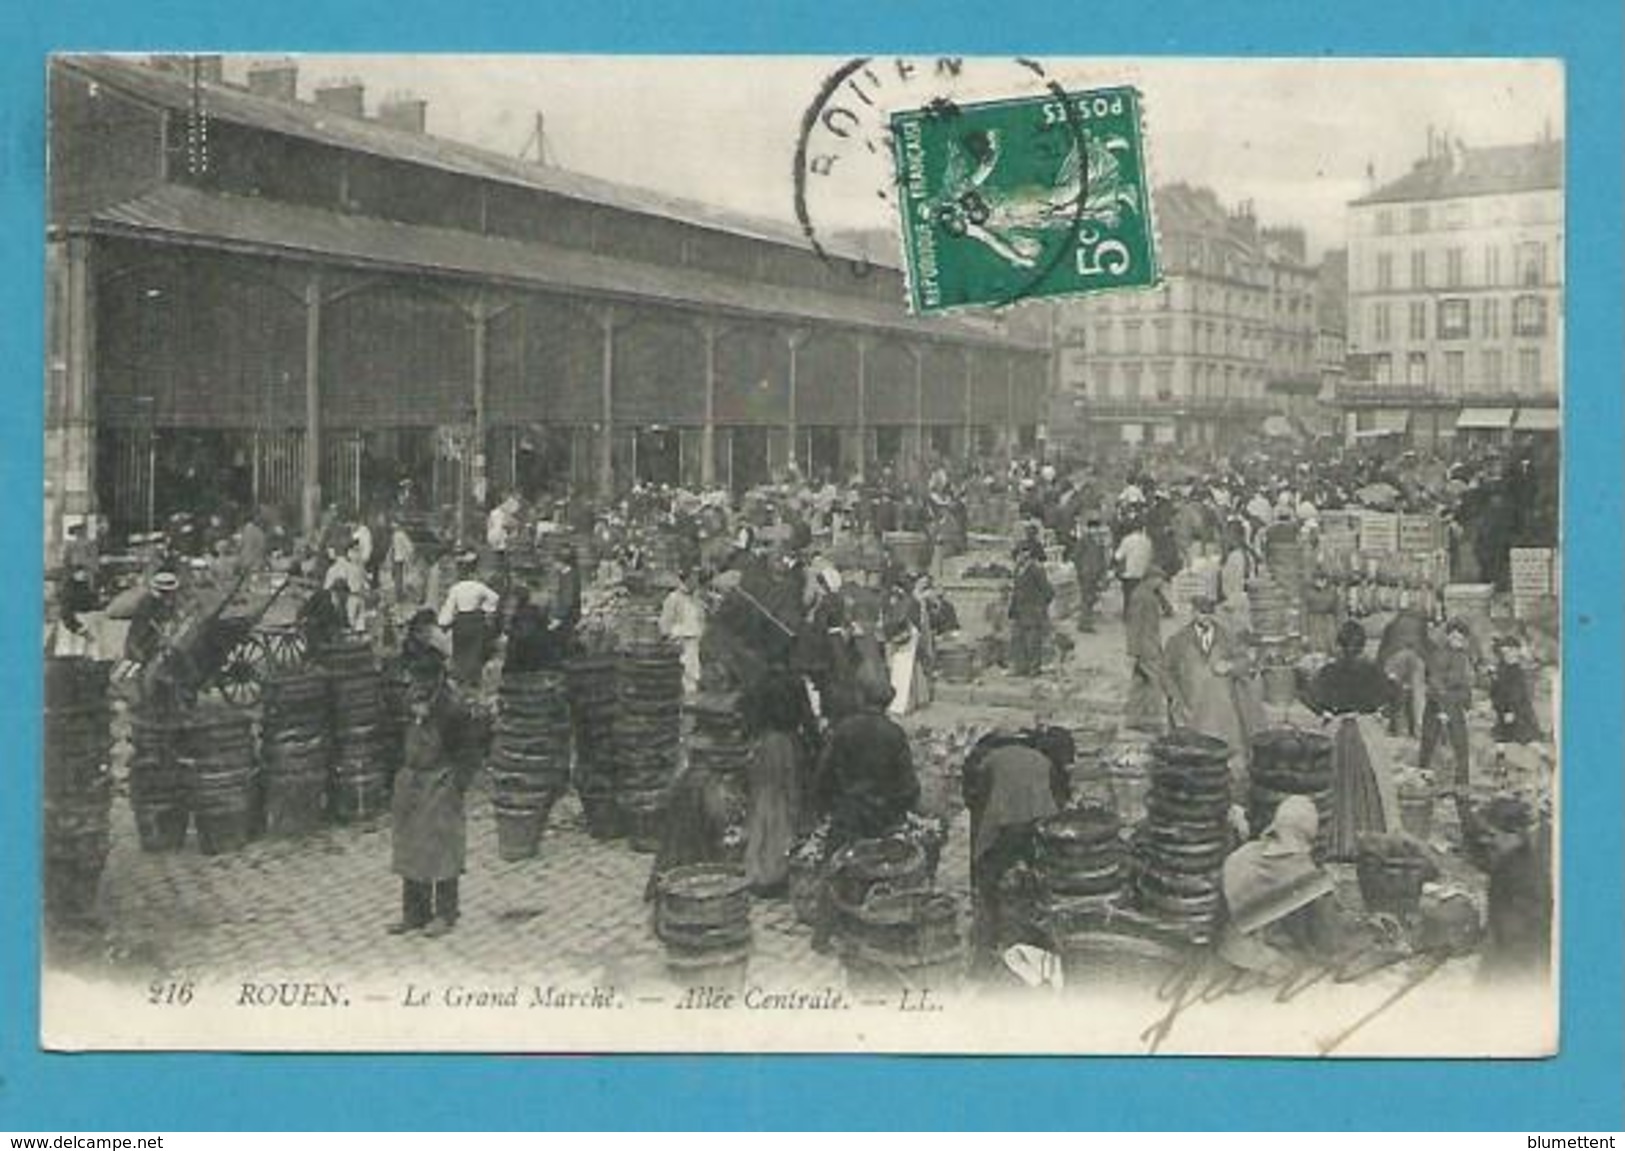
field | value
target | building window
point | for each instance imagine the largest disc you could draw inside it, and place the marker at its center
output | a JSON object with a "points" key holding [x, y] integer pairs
{"points": [[1165, 337], [1493, 370], [1419, 320], [1419, 218], [1531, 265], [1529, 316], [1103, 381], [1165, 381], [1131, 383], [1455, 370], [1385, 222], [1492, 318], [1385, 271], [1103, 337], [1381, 323], [1453, 320], [1492, 266], [1131, 337], [1416, 369], [1529, 368], [1419, 269], [1382, 368], [1452, 268], [1455, 215]]}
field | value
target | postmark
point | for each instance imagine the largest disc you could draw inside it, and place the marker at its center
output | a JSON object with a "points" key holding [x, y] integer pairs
{"points": [[843, 173], [1024, 198]]}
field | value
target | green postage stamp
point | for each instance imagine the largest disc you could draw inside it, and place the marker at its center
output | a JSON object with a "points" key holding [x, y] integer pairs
{"points": [[1024, 198]]}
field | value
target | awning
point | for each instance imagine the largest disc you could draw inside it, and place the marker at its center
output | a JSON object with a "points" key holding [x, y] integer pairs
{"points": [[1485, 419], [1539, 420]]}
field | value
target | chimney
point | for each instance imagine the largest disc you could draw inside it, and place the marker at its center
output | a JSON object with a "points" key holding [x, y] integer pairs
{"points": [[406, 112], [347, 97], [278, 80]]}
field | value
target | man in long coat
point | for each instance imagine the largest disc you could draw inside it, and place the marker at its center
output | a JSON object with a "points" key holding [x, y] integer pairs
{"points": [[1030, 595], [430, 834], [1208, 670]]}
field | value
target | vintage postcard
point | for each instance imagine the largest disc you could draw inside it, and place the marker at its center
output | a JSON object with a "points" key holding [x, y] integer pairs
{"points": [[902, 554]]}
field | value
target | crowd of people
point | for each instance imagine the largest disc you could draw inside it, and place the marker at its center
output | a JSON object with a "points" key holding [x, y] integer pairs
{"points": [[815, 604]]}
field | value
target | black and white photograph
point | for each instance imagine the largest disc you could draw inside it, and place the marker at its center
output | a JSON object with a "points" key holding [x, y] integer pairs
{"points": [[522, 575]]}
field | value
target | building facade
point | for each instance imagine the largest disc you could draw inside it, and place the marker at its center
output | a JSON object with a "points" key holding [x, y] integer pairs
{"points": [[1193, 361], [260, 299], [1455, 308]]}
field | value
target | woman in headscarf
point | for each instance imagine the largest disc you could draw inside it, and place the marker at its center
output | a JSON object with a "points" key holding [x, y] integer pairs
{"points": [[1278, 899], [1150, 689], [1351, 692]]}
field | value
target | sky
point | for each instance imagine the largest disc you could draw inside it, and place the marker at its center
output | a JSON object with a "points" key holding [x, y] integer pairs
{"points": [[1296, 137]]}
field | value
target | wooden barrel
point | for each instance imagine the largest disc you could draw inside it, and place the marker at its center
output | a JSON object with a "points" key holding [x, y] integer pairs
{"points": [[702, 917], [1079, 854], [906, 940]]}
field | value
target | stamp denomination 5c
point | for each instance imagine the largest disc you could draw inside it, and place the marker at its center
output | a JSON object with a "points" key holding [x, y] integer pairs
{"points": [[1024, 198]]}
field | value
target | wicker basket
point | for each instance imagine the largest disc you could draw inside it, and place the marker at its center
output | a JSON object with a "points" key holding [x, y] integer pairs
{"points": [[1392, 883]]}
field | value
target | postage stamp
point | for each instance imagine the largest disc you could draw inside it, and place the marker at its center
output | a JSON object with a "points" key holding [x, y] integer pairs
{"points": [[1024, 198]]}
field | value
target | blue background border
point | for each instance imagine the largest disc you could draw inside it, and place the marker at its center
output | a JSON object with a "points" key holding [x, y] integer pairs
{"points": [[1580, 1089]]}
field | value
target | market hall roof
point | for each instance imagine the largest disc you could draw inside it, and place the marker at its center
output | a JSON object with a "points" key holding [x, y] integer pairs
{"points": [[1467, 171], [321, 125], [178, 214]]}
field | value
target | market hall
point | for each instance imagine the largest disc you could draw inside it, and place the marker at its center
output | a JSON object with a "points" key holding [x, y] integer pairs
{"points": [[237, 275]]}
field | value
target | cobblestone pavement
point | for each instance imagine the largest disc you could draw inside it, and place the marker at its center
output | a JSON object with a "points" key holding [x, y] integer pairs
{"points": [[319, 905]]}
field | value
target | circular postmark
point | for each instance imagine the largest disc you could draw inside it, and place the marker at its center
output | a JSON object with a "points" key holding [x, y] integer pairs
{"points": [[849, 178]]}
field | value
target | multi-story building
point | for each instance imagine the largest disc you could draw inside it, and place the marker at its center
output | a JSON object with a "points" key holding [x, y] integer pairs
{"points": [[1455, 312], [1190, 362], [1292, 376]]}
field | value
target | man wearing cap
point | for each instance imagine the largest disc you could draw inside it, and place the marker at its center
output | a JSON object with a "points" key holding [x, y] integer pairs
{"points": [[152, 616], [1207, 668], [1134, 555], [1089, 566], [1449, 693], [1030, 596], [430, 834]]}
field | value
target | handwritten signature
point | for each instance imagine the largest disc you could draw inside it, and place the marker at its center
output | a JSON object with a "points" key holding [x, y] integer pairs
{"points": [[1207, 980]]}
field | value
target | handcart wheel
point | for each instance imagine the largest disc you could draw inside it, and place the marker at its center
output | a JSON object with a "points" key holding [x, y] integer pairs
{"points": [[244, 668], [287, 649]]}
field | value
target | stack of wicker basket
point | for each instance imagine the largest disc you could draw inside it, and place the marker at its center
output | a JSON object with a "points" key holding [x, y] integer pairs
{"points": [[530, 759], [648, 729], [78, 783], [590, 681], [358, 785], [295, 750]]}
